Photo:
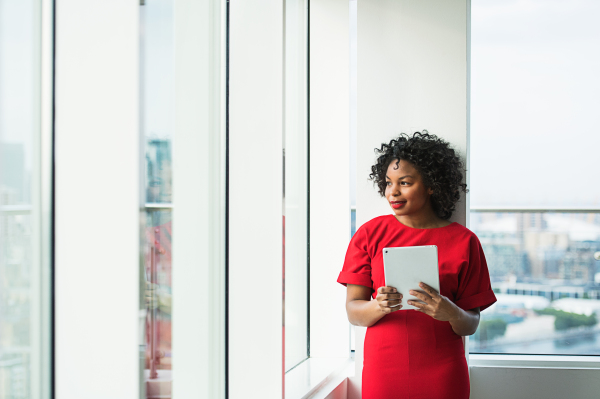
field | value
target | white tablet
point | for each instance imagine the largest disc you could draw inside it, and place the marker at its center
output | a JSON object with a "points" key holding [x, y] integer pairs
{"points": [[406, 267]]}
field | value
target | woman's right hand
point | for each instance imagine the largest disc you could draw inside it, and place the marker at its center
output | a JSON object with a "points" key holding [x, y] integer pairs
{"points": [[388, 299]]}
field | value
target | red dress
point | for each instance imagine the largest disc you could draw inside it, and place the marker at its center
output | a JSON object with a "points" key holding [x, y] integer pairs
{"points": [[408, 354]]}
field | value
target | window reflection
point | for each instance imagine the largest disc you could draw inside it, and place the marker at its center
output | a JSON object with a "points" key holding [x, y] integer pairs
{"points": [[158, 170], [157, 106], [20, 290], [158, 291]]}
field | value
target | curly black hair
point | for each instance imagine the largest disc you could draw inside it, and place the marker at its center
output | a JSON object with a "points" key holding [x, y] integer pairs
{"points": [[440, 166]]}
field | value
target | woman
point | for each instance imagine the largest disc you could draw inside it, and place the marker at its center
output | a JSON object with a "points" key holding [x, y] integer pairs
{"points": [[416, 353]]}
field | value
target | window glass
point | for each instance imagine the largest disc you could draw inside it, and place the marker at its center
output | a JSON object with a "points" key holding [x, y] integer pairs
{"points": [[156, 122], [24, 329], [534, 103], [353, 30], [535, 203], [295, 198], [545, 270]]}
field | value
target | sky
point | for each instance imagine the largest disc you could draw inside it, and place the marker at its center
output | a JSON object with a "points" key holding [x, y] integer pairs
{"points": [[535, 103]]}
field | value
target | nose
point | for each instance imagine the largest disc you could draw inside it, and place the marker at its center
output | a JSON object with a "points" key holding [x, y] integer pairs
{"points": [[395, 189]]}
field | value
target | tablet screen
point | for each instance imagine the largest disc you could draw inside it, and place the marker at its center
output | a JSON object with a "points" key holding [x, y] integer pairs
{"points": [[406, 267]]}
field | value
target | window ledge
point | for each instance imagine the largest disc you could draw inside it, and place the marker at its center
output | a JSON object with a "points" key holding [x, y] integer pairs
{"points": [[317, 377], [534, 361]]}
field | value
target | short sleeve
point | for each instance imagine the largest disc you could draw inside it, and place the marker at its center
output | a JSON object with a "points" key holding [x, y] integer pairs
{"points": [[474, 287], [357, 264]]}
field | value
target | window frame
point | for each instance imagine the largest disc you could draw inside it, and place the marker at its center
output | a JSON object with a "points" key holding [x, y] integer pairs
{"points": [[199, 210], [97, 79], [524, 360], [329, 216], [534, 361]]}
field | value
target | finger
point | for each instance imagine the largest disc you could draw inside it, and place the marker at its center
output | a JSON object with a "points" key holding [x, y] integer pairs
{"points": [[389, 304], [418, 305], [424, 311], [386, 290], [429, 290], [421, 295], [392, 296]]}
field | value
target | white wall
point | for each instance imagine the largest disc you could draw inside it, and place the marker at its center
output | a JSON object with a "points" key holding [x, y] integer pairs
{"points": [[97, 200], [412, 75], [527, 383], [329, 178]]}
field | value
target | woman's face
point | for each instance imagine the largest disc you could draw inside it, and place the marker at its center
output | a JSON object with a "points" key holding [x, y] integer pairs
{"points": [[405, 190]]}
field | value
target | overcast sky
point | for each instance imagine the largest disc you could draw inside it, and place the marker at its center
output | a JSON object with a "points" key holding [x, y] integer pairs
{"points": [[535, 105]]}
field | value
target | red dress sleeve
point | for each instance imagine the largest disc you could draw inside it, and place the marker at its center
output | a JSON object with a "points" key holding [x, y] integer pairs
{"points": [[474, 287], [357, 264]]}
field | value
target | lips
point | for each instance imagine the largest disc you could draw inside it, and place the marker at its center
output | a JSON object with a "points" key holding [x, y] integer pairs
{"points": [[397, 204]]}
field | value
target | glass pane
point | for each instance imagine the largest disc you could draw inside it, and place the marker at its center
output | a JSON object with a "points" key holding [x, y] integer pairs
{"points": [[156, 122], [295, 184], [352, 231], [158, 295], [535, 92], [545, 270], [15, 305], [22, 330], [535, 100], [353, 28]]}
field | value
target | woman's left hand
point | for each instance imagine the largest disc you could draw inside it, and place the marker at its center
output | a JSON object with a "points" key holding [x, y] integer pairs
{"points": [[436, 305]]}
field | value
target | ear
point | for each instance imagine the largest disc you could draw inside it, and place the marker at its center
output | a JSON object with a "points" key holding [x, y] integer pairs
{"points": [[430, 191]]}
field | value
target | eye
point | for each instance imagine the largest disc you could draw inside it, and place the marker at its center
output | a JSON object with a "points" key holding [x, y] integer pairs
{"points": [[387, 183]]}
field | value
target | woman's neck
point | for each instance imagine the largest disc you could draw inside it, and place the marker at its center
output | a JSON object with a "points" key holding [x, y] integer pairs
{"points": [[426, 220]]}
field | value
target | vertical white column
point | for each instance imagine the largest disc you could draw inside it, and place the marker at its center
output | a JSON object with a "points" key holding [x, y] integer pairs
{"points": [[466, 204], [329, 176], [412, 75], [255, 192], [199, 201], [97, 204]]}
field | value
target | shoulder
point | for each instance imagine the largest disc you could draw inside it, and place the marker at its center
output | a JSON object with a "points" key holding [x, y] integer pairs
{"points": [[377, 223], [373, 229], [464, 234], [378, 220]]}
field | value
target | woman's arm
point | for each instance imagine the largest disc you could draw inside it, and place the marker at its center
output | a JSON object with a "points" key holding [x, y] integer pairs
{"points": [[466, 321], [463, 322], [362, 311]]}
